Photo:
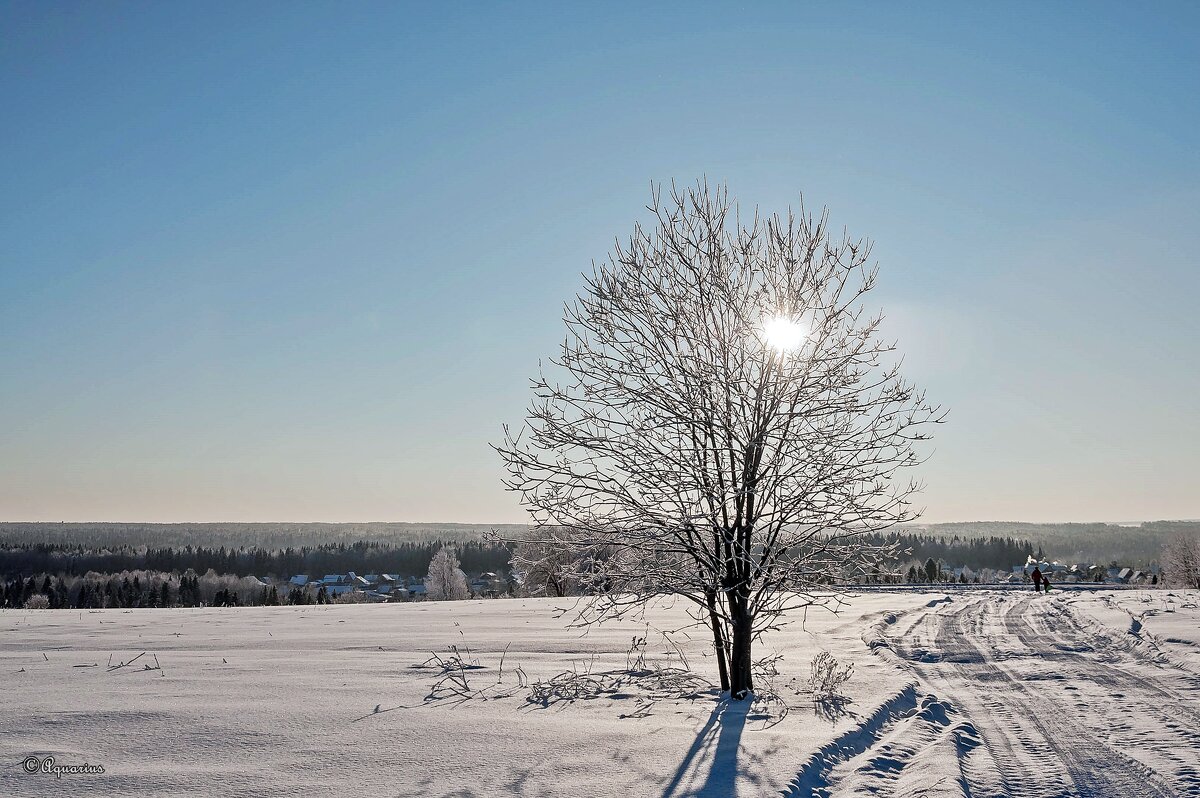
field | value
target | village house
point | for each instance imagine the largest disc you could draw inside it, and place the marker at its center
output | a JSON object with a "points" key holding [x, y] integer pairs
{"points": [[1081, 573], [392, 587]]}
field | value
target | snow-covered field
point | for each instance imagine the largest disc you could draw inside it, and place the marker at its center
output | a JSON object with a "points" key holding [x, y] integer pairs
{"points": [[979, 693]]}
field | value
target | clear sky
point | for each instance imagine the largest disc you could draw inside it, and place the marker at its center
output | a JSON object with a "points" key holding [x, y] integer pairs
{"points": [[296, 261]]}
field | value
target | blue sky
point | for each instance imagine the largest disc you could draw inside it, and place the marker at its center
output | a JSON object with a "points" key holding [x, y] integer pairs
{"points": [[296, 261]]}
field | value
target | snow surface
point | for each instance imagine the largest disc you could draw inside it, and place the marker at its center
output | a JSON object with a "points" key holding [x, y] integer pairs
{"points": [[979, 693]]}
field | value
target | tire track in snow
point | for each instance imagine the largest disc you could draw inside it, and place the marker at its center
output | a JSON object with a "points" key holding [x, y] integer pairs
{"points": [[1152, 688], [1024, 766], [913, 745], [1095, 767], [1059, 709]]}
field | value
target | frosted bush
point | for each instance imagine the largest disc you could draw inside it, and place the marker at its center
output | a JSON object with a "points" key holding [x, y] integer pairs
{"points": [[37, 602], [828, 675]]}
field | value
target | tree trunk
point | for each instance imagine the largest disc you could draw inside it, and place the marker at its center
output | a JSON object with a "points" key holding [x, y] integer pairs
{"points": [[718, 639], [741, 679]]}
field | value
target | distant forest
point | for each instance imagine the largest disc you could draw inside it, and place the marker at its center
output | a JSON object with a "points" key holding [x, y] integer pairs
{"points": [[362, 557], [1136, 546], [1000, 553], [282, 550], [238, 535]]}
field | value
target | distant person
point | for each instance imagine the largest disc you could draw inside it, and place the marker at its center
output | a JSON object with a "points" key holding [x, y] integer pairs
{"points": [[1045, 584], [1037, 579]]}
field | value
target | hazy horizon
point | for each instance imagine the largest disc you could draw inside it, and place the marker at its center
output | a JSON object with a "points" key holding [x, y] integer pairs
{"points": [[298, 261], [915, 522]]}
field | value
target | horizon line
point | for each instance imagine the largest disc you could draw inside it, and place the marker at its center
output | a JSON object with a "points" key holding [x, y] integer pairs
{"points": [[915, 522]]}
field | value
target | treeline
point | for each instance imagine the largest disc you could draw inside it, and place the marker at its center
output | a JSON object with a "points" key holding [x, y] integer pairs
{"points": [[136, 589], [19, 560], [1137, 545], [1000, 553]]}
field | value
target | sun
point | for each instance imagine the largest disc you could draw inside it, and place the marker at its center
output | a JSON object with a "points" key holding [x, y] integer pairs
{"points": [[783, 333]]}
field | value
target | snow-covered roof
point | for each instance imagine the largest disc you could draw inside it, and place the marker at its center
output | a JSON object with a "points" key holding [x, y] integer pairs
{"points": [[299, 580]]}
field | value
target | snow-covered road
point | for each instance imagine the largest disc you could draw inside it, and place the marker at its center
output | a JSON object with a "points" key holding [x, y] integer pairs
{"points": [[1026, 696]]}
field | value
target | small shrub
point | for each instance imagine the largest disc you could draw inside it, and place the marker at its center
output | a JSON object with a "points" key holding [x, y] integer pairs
{"points": [[828, 675], [37, 601]]}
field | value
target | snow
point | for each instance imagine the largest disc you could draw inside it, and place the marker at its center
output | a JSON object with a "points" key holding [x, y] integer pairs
{"points": [[971, 693], [1064, 704], [1164, 622]]}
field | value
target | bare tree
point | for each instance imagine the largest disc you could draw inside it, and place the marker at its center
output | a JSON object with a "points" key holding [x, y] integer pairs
{"points": [[1181, 561], [723, 424], [445, 581], [546, 567]]}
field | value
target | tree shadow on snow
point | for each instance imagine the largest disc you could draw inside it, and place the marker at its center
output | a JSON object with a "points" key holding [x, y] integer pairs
{"points": [[717, 742]]}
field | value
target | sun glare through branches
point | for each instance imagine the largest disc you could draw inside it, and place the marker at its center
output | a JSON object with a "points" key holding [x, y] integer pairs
{"points": [[784, 334]]}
